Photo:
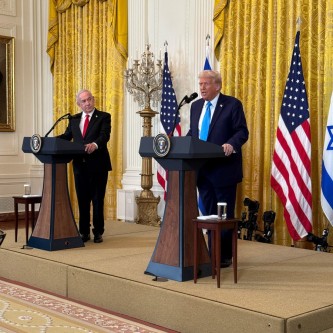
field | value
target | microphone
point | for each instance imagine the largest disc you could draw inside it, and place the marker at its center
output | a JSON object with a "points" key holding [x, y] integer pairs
{"points": [[185, 100], [65, 116], [74, 116], [191, 98]]}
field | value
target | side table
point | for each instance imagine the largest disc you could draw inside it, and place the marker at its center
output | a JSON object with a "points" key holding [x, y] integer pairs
{"points": [[216, 226], [26, 200]]}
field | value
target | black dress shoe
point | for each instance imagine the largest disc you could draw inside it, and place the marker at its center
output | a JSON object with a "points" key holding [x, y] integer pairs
{"points": [[85, 238], [98, 238], [226, 263]]}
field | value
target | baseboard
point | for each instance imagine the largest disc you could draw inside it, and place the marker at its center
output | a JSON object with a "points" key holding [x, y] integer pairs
{"points": [[10, 217]]}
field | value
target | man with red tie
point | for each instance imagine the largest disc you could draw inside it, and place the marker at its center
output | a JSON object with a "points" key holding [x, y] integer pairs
{"points": [[92, 128], [219, 119]]}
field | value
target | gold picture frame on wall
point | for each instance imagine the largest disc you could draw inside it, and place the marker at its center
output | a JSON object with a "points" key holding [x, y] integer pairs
{"points": [[7, 105]]}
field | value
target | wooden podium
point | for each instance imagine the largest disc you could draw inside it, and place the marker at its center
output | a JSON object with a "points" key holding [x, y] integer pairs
{"points": [[55, 228], [173, 254]]}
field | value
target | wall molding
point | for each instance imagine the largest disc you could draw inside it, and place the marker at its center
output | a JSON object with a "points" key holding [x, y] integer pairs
{"points": [[8, 7]]}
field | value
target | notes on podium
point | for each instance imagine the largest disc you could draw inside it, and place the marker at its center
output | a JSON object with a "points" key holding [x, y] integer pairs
{"points": [[207, 217]]}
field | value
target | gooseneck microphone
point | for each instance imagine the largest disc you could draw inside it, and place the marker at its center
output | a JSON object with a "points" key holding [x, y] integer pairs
{"points": [[191, 98], [185, 100], [65, 116]]}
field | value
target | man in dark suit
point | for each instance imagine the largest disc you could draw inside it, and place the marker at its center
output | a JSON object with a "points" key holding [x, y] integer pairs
{"points": [[92, 128], [217, 179]]}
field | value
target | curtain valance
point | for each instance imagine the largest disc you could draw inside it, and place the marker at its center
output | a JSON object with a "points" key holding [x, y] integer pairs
{"points": [[117, 20], [62, 5], [218, 20]]}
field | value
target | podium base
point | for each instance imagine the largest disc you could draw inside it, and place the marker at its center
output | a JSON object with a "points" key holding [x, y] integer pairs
{"points": [[55, 244], [177, 273]]}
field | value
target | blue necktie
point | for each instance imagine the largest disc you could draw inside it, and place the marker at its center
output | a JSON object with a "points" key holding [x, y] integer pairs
{"points": [[205, 123]]}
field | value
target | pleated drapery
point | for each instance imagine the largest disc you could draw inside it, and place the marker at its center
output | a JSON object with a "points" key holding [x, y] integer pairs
{"points": [[254, 57], [87, 45]]}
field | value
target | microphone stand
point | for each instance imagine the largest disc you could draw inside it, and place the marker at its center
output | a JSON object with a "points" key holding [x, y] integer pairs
{"points": [[182, 102], [68, 116]]}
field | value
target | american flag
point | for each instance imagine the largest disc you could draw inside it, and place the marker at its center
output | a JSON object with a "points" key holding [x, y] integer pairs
{"points": [[169, 116], [291, 165]]}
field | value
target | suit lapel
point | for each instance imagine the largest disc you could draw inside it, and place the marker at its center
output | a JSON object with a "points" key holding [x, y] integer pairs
{"points": [[76, 125], [217, 112], [196, 118]]}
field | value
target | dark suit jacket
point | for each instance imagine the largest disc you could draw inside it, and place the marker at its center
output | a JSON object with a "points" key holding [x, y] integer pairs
{"points": [[99, 132], [228, 125]]}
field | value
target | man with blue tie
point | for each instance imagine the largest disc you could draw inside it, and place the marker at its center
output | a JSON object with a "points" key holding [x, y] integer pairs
{"points": [[219, 119]]}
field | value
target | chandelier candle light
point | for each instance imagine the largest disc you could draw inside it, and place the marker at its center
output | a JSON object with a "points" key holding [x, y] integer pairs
{"points": [[144, 82]]}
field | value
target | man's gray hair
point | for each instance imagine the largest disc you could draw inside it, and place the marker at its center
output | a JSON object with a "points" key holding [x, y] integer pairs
{"points": [[80, 92]]}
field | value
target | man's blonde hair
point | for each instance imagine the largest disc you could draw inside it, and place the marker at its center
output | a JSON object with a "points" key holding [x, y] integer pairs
{"points": [[214, 75]]}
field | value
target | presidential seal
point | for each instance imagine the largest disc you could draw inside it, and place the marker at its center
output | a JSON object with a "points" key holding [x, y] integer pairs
{"points": [[35, 143], [161, 145]]}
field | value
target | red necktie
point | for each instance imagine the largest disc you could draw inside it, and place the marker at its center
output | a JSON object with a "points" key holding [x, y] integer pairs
{"points": [[85, 126]]}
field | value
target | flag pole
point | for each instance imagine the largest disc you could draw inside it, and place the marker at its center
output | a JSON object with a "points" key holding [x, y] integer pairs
{"points": [[166, 46], [298, 24], [207, 39], [207, 64]]}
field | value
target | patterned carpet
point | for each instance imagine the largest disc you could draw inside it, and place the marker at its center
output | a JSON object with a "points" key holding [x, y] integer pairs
{"points": [[27, 310]]}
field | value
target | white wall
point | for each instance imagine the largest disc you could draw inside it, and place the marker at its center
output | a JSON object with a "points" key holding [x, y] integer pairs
{"points": [[26, 21]]}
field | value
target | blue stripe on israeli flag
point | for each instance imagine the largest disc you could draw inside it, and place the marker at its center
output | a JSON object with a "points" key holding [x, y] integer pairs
{"points": [[327, 168]]}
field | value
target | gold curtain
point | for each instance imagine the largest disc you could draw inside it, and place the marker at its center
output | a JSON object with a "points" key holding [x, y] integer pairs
{"points": [[218, 19], [87, 45], [255, 55]]}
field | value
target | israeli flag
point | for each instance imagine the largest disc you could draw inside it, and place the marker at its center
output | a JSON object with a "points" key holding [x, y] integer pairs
{"points": [[327, 168], [207, 65]]}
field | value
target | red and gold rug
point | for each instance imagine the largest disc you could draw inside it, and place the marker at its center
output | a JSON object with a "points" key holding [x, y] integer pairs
{"points": [[28, 310]]}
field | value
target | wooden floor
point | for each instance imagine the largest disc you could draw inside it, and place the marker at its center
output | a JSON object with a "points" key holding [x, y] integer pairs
{"points": [[279, 289]]}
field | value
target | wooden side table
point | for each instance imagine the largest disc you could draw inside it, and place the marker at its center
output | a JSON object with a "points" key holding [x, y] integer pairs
{"points": [[216, 226], [26, 201]]}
